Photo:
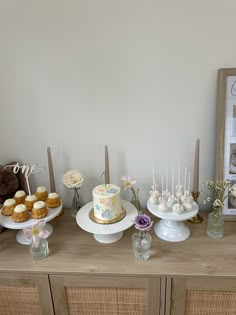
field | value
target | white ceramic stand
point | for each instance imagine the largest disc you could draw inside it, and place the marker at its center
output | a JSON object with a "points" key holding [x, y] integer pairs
{"points": [[171, 227], [7, 222], [106, 233]]}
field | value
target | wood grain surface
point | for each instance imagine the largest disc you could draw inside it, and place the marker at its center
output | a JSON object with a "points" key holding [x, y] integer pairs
{"points": [[74, 251]]}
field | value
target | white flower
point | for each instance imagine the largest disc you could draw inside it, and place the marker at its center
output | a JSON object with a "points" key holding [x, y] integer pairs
{"points": [[218, 203], [128, 182], [73, 179]]}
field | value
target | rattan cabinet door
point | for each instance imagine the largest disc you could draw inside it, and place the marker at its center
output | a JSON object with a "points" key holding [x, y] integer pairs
{"points": [[25, 294], [201, 296], [81, 295]]}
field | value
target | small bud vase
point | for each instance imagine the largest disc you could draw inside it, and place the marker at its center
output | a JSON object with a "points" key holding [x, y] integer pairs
{"points": [[215, 225], [135, 199], [40, 251], [142, 245], [77, 202]]}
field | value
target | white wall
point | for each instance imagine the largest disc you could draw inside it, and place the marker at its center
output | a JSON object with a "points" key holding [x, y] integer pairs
{"points": [[139, 76]]}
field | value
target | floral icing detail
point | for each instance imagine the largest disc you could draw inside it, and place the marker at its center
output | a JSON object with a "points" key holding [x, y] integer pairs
{"points": [[106, 214], [143, 222], [112, 191], [37, 232]]}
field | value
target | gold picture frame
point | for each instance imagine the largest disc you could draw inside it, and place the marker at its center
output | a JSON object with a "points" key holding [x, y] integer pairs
{"points": [[226, 134]]}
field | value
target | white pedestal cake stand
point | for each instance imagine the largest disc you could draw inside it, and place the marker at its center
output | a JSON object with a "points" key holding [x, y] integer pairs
{"points": [[106, 233], [171, 227], [7, 222]]}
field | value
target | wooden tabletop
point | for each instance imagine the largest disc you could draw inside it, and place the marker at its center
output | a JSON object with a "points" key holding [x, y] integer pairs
{"points": [[74, 251]]}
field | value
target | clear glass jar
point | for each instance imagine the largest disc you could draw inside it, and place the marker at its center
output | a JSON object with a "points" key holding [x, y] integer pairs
{"points": [[40, 251], [215, 225], [77, 202], [135, 199], [142, 242]]}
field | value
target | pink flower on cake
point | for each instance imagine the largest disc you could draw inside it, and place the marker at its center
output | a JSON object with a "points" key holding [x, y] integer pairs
{"points": [[128, 182], [37, 232]]}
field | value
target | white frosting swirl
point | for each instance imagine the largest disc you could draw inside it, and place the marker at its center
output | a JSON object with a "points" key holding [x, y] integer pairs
{"points": [[39, 204], [20, 208], [41, 189], [9, 202], [20, 193], [53, 195], [31, 198]]}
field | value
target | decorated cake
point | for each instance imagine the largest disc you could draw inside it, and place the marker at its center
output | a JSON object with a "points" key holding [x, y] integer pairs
{"points": [[107, 204]]}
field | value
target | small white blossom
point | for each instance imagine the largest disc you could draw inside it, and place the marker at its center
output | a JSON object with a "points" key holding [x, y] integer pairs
{"points": [[73, 179]]}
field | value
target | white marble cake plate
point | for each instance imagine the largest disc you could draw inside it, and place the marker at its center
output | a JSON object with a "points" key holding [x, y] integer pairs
{"points": [[106, 233], [7, 222], [171, 227]]}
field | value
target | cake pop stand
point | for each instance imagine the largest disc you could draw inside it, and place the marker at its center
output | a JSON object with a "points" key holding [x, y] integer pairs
{"points": [[106, 233], [7, 222], [171, 227]]}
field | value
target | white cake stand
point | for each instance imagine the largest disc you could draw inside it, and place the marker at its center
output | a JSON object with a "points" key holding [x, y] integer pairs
{"points": [[171, 227], [106, 233], [7, 222]]}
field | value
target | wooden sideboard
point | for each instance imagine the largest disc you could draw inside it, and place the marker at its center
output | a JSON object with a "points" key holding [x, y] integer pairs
{"points": [[82, 276]]}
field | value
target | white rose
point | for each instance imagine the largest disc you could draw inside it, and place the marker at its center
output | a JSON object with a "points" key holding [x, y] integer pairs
{"points": [[73, 179]]}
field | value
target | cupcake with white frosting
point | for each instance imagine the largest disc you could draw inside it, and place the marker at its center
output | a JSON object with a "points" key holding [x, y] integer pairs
{"points": [[20, 196], [41, 193], [39, 210], [20, 213], [53, 200], [8, 206], [29, 201]]}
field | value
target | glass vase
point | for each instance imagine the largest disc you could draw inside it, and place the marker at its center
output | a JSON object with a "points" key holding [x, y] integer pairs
{"points": [[215, 225], [135, 199], [141, 245], [40, 251], [77, 202]]}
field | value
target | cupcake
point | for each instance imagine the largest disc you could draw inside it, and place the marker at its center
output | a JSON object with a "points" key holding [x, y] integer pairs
{"points": [[41, 193], [29, 201], [39, 210], [53, 200], [20, 197], [8, 207], [20, 213]]}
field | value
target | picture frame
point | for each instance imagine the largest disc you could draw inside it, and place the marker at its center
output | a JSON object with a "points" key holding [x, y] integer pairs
{"points": [[226, 135]]}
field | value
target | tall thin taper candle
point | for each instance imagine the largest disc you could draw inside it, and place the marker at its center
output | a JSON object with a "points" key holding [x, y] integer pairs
{"points": [[153, 180], [167, 179], [51, 174], [185, 179], [196, 168], [179, 176], [162, 188], [189, 182], [172, 182], [107, 175]]}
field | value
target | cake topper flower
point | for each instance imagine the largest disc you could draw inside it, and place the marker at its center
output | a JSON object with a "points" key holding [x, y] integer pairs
{"points": [[36, 232], [73, 179], [143, 222]]}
